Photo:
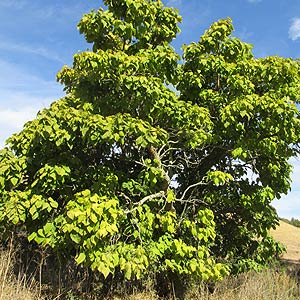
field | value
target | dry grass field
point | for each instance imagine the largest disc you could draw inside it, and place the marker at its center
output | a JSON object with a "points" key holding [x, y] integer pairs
{"points": [[271, 284], [12, 286], [289, 235]]}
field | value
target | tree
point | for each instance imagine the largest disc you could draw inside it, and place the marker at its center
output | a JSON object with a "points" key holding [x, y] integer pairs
{"points": [[153, 165]]}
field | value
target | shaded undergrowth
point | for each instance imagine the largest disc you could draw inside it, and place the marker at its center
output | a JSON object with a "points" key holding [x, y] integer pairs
{"points": [[43, 278]]}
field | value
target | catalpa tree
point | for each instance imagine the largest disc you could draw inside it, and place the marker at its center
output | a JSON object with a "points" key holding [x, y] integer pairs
{"points": [[153, 163]]}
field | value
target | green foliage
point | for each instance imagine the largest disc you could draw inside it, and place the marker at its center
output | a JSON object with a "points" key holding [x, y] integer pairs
{"points": [[149, 165], [295, 222]]}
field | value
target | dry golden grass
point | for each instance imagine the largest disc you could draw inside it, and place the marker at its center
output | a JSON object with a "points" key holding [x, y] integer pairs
{"points": [[138, 296], [267, 285], [11, 286], [271, 284], [289, 235]]}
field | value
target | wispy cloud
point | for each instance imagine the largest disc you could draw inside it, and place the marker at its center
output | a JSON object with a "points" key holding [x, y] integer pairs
{"points": [[18, 4], [254, 1], [14, 79], [23, 48], [244, 34], [60, 10], [174, 2], [294, 30]]}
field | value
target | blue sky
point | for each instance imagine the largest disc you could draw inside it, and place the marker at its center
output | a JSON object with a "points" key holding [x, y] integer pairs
{"points": [[38, 37]]}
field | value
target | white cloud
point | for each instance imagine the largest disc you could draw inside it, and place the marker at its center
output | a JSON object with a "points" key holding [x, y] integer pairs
{"points": [[22, 95], [294, 30], [295, 162], [13, 121], [18, 108], [289, 205]]}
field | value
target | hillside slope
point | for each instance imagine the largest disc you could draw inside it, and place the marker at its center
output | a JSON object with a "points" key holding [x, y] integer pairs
{"points": [[289, 236]]}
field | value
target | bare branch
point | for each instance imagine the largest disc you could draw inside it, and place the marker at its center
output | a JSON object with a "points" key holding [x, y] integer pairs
{"points": [[161, 149], [189, 187], [144, 200], [166, 151]]}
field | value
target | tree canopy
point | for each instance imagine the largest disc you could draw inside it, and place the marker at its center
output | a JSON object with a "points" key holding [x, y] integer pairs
{"points": [[153, 162]]}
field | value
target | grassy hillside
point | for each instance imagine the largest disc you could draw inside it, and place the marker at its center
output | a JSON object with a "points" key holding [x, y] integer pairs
{"points": [[289, 235]]}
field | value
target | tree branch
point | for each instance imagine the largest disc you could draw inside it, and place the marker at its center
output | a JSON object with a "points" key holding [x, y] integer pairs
{"points": [[144, 200], [189, 187]]}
